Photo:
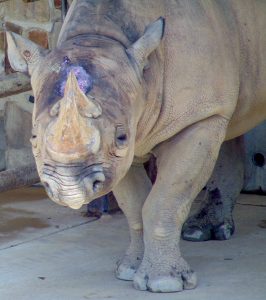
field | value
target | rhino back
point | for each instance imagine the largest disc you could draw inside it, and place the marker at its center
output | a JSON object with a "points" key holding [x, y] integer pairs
{"points": [[200, 69], [251, 108], [123, 20], [214, 63]]}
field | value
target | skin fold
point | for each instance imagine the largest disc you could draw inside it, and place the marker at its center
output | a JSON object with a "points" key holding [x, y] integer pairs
{"points": [[133, 78]]}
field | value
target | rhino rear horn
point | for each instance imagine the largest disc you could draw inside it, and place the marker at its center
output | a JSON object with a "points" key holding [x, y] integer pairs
{"points": [[87, 106], [147, 43], [23, 54]]}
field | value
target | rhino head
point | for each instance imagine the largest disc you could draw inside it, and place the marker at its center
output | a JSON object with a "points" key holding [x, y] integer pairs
{"points": [[89, 97]]}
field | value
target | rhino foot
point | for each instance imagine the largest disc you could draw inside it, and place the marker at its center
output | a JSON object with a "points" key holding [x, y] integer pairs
{"points": [[175, 279], [127, 267], [224, 231], [196, 230], [124, 272]]}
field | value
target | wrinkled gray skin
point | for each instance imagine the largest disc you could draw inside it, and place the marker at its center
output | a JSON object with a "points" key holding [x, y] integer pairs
{"points": [[114, 92], [214, 219]]}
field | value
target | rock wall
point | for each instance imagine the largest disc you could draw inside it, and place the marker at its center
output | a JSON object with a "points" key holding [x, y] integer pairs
{"points": [[39, 21]]}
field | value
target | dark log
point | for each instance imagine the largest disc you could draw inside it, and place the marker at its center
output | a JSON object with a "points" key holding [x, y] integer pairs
{"points": [[17, 178], [14, 84]]}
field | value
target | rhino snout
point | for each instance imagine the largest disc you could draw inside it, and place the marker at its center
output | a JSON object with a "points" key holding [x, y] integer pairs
{"points": [[73, 186]]}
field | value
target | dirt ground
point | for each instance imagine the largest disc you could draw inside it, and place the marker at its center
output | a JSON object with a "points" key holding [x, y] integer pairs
{"points": [[48, 252]]}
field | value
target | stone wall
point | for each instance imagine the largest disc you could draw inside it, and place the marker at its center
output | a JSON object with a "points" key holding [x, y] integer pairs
{"points": [[39, 21]]}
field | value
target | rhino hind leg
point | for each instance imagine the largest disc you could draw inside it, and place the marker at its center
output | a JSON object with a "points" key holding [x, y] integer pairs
{"points": [[214, 220], [131, 193]]}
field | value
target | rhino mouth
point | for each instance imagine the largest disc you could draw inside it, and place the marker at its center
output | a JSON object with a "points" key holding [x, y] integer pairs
{"points": [[73, 185]]}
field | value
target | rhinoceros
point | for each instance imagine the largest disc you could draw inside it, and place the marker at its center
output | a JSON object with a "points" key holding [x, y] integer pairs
{"points": [[133, 78]]}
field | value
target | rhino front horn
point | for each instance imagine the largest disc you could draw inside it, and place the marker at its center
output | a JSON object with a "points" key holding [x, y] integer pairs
{"points": [[71, 136]]}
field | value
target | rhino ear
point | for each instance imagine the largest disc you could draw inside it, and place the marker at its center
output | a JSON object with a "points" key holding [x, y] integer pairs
{"points": [[23, 54], [147, 43]]}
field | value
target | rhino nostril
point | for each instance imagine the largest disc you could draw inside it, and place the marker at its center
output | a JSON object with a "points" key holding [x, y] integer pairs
{"points": [[94, 181], [97, 185]]}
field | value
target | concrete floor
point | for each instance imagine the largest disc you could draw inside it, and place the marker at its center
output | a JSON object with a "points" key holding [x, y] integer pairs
{"points": [[49, 252]]}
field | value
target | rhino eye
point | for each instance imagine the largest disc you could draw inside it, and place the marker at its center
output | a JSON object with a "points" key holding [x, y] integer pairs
{"points": [[121, 138]]}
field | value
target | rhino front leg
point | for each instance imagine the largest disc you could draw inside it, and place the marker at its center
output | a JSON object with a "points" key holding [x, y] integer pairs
{"points": [[131, 193], [184, 165]]}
